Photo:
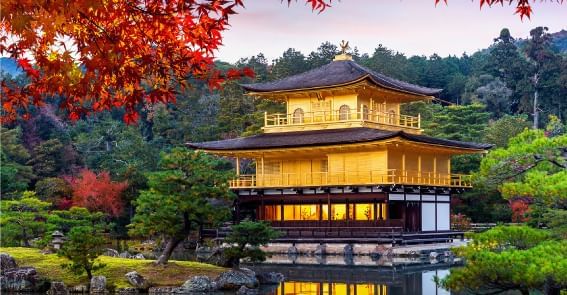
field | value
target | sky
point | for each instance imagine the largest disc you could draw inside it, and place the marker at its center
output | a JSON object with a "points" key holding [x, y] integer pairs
{"points": [[412, 27]]}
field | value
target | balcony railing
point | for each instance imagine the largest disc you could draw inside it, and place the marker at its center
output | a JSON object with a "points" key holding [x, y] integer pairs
{"points": [[391, 176], [323, 117]]}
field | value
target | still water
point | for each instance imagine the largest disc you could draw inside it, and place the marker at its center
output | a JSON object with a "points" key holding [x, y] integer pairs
{"points": [[355, 280]]}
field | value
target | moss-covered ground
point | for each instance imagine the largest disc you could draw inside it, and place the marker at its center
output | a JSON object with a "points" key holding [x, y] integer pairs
{"points": [[175, 273]]}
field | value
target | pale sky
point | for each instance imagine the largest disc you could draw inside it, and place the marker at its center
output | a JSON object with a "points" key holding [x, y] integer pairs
{"points": [[413, 27]]}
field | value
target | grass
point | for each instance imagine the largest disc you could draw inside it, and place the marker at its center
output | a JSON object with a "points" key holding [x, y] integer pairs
{"points": [[175, 273]]}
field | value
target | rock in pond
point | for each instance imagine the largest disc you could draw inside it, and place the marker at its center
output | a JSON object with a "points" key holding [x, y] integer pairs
{"points": [[236, 278], [58, 288], [270, 278], [7, 262], [246, 291], [127, 291], [137, 280], [79, 289], [98, 284], [162, 290], [22, 279], [199, 284]]}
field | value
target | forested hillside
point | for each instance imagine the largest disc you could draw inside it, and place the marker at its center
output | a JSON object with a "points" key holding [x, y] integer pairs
{"points": [[488, 96]]}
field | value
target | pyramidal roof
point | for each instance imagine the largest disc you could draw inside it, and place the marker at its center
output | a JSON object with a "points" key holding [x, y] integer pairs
{"points": [[338, 73]]}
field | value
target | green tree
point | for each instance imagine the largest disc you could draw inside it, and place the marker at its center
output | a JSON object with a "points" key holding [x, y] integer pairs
{"points": [[22, 220], [533, 165], [325, 53], [290, 63], [508, 258], [464, 123], [187, 193], [47, 158], [83, 246], [53, 190], [16, 174], [246, 238], [500, 131]]}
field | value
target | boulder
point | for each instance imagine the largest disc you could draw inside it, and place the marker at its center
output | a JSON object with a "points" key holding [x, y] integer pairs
{"points": [[111, 252], [127, 291], [199, 284], [433, 255], [234, 279], [292, 250], [22, 279], [7, 262], [98, 284], [139, 256], [162, 290], [320, 250], [79, 289], [125, 254], [58, 288], [348, 250], [137, 280], [270, 278], [246, 291]]}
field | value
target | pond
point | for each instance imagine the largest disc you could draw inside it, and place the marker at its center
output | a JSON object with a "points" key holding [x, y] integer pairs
{"points": [[355, 275], [354, 280]]}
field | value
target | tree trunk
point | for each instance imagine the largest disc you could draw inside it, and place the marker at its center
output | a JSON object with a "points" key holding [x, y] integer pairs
{"points": [[169, 247], [89, 274], [536, 94]]}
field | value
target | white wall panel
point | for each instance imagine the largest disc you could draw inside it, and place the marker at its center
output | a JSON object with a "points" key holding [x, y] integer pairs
{"points": [[443, 218], [427, 216]]}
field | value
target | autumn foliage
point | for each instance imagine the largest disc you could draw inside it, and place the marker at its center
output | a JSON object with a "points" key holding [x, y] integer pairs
{"points": [[520, 208], [97, 192]]}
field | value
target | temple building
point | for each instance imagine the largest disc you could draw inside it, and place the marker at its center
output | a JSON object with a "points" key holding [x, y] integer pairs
{"points": [[343, 163]]}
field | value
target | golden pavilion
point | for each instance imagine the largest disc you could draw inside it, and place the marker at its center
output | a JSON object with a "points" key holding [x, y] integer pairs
{"points": [[343, 164]]}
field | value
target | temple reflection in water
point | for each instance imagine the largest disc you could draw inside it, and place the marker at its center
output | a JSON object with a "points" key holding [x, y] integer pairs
{"points": [[333, 280], [315, 288]]}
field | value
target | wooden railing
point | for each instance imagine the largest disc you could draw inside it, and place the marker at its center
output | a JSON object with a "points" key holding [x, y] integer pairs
{"points": [[320, 117], [391, 176]]}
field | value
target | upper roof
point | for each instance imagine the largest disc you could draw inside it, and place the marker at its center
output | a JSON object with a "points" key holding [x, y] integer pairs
{"points": [[341, 72], [326, 137]]}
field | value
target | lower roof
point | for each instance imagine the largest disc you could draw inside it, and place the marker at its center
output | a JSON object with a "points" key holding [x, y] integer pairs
{"points": [[326, 137]]}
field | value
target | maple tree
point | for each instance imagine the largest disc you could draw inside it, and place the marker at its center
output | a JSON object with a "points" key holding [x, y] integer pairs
{"points": [[97, 192]]}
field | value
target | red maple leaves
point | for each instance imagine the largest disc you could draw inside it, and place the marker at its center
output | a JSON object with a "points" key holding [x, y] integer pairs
{"points": [[97, 192], [97, 55], [523, 7]]}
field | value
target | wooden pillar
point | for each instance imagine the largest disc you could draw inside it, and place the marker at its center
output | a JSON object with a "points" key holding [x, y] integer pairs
{"points": [[404, 173], [434, 180], [262, 163], [419, 168], [237, 166], [329, 208]]}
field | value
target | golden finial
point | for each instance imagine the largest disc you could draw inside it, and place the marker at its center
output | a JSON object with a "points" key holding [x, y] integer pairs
{"points": [[344, 55], [344, 47]]}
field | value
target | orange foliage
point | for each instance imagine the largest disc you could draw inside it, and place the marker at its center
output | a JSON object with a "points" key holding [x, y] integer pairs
{"points": [[520, 209], [97, 192]]}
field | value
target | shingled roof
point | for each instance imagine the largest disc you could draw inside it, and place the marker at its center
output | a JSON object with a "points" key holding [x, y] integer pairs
{"points": [[326, 137], [341, 72]]}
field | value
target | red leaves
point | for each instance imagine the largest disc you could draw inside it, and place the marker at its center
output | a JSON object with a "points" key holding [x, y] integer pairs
{"points": [[97, 192], [523, 7], [24, 63]]}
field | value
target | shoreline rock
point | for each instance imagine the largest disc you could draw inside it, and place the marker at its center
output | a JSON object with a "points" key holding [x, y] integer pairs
{"points": [[235, 279]]}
